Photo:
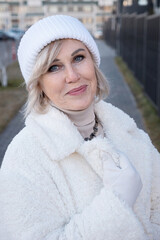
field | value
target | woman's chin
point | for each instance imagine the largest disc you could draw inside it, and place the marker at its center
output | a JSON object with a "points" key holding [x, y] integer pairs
{"points": [[75, 104], [80, 107]]}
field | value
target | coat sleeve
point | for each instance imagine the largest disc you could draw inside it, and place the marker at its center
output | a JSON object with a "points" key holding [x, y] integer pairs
{"points": [[105, 218], [155, 195], [31, 207]]}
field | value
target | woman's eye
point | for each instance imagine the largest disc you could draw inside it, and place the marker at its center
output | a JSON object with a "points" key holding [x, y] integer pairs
{"points": [[54, 68], [79, 58]]}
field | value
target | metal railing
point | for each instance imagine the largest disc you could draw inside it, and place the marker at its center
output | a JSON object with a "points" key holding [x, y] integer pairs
{"points": [[137, 40]]}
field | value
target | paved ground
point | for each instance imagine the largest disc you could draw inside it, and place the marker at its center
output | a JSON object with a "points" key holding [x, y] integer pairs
{"points": [[120, 96]]}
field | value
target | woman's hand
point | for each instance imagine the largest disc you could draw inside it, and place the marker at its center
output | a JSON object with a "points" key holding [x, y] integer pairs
{"points": [[120, 175]]}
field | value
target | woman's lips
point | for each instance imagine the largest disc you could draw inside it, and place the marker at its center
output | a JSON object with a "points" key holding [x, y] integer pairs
{"points": [[79, 90]]}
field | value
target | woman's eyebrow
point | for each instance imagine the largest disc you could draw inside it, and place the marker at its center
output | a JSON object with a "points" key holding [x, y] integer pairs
{"points": [[78, 50], [56, 60]]}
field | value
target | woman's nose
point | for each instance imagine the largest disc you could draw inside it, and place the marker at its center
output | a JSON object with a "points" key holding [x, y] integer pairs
{"points": [[71, 74]]}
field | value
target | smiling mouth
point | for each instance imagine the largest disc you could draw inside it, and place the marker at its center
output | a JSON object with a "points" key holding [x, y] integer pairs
{"points": [[78, 90]]}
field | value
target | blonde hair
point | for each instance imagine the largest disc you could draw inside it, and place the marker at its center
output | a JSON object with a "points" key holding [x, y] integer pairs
{"points": [[37, 99]]}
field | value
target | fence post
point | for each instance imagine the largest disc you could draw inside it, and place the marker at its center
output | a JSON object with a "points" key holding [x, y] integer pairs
{"points": [[144, 53], [135, 44], [117, 35], [4, 79], [13, 49], [158, 66]]}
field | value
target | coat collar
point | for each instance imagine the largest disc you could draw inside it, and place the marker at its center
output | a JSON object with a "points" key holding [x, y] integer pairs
{"points": [[55, 133], [58, 136]]}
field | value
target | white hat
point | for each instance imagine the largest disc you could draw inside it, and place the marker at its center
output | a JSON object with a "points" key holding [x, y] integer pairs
{"points": [[47, 30]]}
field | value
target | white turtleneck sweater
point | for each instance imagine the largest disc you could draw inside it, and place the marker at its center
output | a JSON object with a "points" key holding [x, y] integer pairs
{"points": [[84, 120]]}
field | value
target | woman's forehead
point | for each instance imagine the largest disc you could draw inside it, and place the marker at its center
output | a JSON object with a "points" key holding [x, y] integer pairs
{"points": [[70, 45], [72, 42]]}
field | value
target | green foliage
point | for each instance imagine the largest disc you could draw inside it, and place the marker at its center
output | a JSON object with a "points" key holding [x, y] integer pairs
{"points": [[14, 75], [13, 96]]}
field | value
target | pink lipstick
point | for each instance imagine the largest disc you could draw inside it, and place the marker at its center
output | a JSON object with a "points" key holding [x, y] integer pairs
{"points": [[79, 90]]}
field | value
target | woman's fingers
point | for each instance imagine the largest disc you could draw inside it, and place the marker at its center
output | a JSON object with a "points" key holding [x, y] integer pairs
{"points": [[120, 175]]}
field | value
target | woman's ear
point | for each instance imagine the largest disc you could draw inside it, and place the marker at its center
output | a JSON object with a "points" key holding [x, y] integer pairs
{"points": [[40, 86], [42, 94]]}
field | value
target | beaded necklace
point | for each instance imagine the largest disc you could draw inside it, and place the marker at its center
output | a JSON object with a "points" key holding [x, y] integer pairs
{"points": [[95, 130]]}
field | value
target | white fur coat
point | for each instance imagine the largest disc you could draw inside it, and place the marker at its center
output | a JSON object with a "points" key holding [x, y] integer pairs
{"points": [[51, 184]]}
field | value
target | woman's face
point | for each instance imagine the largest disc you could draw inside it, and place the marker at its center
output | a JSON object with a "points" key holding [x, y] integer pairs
{"points": [[70, 82]]}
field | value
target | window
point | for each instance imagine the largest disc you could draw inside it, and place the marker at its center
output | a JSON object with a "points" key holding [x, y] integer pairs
{"points": [[70, 9], [60, 9], [142, 2], [80, 9], [87, 8], [53, 9], [127, 3]]}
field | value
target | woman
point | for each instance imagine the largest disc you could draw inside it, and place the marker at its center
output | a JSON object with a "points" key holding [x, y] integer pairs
{"points": [[80, 169]]}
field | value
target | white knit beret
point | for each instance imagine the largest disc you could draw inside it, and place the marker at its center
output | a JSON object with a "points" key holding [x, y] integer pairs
{"points": [[47, 30]]}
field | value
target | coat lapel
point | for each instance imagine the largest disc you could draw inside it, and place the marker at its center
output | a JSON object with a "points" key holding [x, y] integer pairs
{"points": [[55, 133]]}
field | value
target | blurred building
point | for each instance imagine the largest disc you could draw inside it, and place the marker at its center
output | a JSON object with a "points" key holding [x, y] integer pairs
{"points": [[22, 14], [139, 6]]}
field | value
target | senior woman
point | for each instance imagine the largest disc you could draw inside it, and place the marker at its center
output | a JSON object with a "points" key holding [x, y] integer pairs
{"points": [[80, 169]]}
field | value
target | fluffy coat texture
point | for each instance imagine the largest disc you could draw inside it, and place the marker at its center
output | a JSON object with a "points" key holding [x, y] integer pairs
{"points": [[51, 181]]}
